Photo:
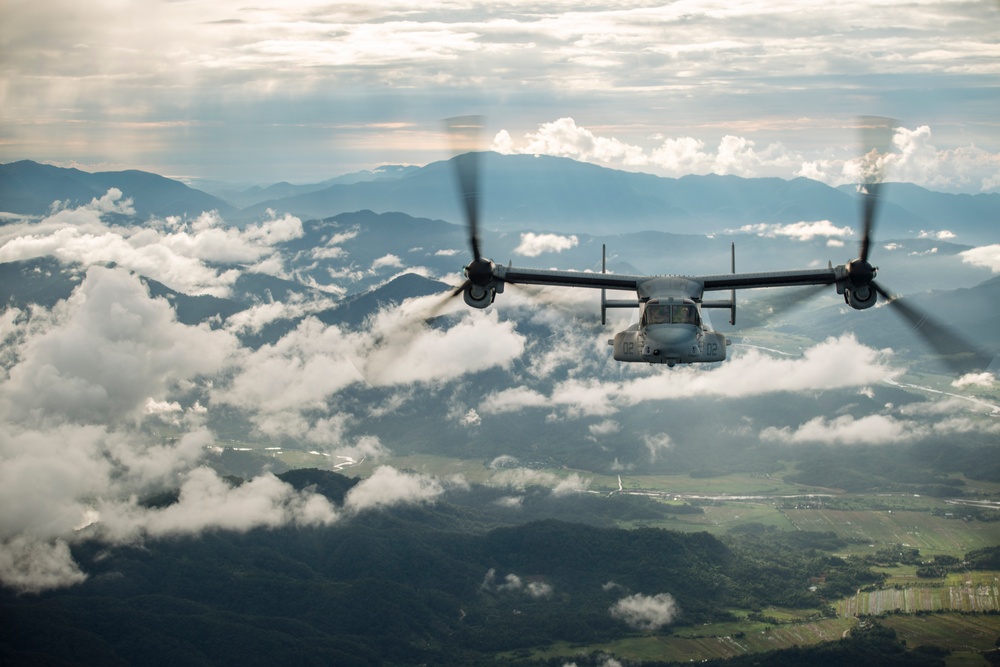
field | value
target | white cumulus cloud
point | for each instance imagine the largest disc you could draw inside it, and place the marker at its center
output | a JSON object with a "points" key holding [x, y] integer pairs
{"points": [[388, 487], [533, 245], [646, 612], [987, 257], [800, 231]]}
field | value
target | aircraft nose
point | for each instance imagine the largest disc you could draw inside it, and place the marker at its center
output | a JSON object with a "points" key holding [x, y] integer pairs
{"points": [[667, 336], [668, 344]]}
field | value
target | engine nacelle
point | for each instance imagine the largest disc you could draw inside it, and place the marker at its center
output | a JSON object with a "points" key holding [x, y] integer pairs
{"points": [[478, 297], [860, 298], [627, 345]]}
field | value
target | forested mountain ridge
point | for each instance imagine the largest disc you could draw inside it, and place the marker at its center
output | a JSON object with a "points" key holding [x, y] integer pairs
{"points": [[417, 585]]}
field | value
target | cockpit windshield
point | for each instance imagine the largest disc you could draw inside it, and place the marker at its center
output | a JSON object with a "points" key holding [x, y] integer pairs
{"points": [[656, 313]]}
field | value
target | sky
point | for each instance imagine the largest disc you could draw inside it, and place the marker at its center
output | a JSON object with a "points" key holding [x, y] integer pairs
{"points": [[304, 91]]}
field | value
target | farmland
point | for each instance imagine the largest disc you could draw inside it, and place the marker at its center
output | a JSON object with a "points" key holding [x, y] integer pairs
{"points": [[957, 611]]}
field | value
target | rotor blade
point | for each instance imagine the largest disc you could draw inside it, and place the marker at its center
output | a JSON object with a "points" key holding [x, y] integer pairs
{"points": [[788, 299], [435, 309], [876, 137], [464, 132], [956, 352], [762, 311]]}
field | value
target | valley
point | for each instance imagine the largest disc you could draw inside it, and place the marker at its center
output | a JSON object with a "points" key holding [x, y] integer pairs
{"points": [[957, 611]]}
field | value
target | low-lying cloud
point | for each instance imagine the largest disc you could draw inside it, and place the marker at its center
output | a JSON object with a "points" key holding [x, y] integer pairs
{"points": [[835, 363], [512, 583], [648, 613], [987, 257], [177, 252], [799, 231]]}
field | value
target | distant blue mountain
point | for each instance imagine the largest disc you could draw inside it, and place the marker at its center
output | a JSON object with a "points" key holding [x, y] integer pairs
{"points": [[523, 192], [29, 188], [969, 216], [246, 197], [540, 192]]}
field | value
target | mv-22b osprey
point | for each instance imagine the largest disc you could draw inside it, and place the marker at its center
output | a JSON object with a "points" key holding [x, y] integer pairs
{"points": [[671, 329]]}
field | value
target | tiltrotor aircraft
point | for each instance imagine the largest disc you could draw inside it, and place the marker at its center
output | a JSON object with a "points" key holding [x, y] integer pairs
{"points": [[671, 329]]}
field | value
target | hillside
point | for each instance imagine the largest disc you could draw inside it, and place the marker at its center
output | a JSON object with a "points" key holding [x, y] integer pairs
{"points": [[30, 188], [442, 585]]}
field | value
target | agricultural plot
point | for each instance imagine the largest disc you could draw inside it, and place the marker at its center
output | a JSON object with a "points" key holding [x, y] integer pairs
{"points": [[735, 485], [709, 642], [956, 632], [923, 530], [973, 592]]}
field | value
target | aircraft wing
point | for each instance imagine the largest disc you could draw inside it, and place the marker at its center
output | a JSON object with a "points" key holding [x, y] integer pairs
{"points": [[518, 276], [732, 281], [613, 281]]}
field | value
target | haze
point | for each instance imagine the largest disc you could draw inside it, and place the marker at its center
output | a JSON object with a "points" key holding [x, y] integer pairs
{"points": [[305, 91]]}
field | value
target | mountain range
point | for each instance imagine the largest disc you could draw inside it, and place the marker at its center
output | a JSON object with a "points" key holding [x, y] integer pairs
{"points": [[525, 192]]}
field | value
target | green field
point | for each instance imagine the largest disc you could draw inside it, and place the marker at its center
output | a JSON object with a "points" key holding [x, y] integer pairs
{"points": [[922, 611], [710, 641], [966, 635], [963, 592], [931, 534]]}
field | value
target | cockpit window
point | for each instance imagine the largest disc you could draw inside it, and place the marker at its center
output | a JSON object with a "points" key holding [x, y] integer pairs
{"points": [[685, 315], [664, 314], [656, 314]]}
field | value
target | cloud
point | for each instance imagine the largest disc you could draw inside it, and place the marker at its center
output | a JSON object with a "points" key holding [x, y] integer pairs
{"points": [[984, 379], [112, 202], [109, 349], [406, 351], [657, 443], [207, 502], [179, 253], [470, 418], [800, 231], [844, 430], [835, 363], [387, 261], [915, 159], [512, 583], [674, 157], [984, 256], [565, 139], [63, 484], [606, 427], [31, 566], [522, 478], [297, 373], [283, 385], [787, 67], [388, 487], [644, 612], [80, 385], [948, 418], [533, 245], [256, 317], [503, 461], [940, 235]]}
